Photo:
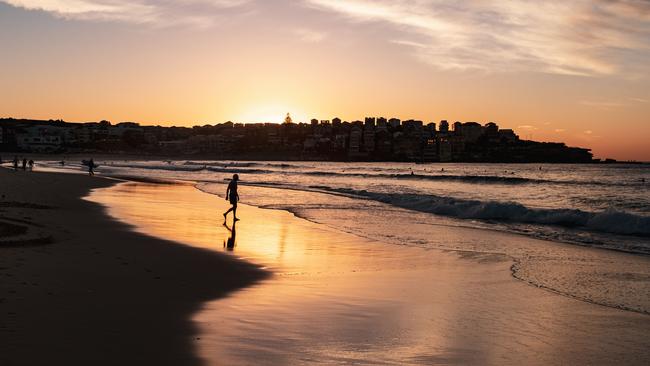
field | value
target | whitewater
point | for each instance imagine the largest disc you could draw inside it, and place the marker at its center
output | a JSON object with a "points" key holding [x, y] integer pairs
{"points": [[605, 206]]}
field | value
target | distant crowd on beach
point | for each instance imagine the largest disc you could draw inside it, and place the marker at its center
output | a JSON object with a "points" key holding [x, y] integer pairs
{"points": [[16, 163], [28, 165]]}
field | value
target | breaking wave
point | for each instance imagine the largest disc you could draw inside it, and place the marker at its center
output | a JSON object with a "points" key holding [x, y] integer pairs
{"points": [[173, 167], [296, 169], [609, 221]]}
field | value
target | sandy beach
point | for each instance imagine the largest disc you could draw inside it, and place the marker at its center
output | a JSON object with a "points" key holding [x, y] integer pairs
{"points": [[138, 273], [79, 288]]}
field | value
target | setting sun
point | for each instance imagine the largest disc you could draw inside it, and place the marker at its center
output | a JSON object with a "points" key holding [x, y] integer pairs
{"points": [[271, 113]]}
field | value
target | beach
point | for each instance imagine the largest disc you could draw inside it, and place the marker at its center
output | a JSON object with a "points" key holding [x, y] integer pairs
{"points": [[95, 292], [140, 273]]}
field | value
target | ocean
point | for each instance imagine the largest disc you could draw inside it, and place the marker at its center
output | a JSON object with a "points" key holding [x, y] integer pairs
{"points": [[603, 206]]}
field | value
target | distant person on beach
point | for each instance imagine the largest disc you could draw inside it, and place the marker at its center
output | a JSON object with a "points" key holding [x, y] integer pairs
{"points": [[15, 162], [91, 167], [233, 197], [24, 164], [31, 165]]}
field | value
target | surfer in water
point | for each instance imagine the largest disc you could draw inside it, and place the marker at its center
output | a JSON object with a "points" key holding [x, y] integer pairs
{"points": [[233, 197]]}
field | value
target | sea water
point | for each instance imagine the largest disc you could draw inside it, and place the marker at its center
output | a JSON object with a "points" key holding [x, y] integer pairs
{"points": [[606, 206]]}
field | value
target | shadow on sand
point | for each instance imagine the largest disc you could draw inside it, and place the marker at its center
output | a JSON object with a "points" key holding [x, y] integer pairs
{"points": [[102, 294]]}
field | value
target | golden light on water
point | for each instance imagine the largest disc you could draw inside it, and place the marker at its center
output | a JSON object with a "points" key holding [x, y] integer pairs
{"points": [[334, 296]]}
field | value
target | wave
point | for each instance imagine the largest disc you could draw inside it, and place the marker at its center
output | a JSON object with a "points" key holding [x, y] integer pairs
{"points": [[477, 179], [233, 164], [462, 178], [238, 170], [221, 164], [288, 168], [173, 167], [608, 221]]}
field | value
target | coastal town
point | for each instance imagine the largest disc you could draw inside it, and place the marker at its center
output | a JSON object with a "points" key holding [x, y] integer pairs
{"points": [[373, 139]]}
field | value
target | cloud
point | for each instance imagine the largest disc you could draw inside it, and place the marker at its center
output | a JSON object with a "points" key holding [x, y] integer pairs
{"points": [[602, 104], [527, 127], [639, 100], [152, 12], [559, 130], [309, 36], [582, 37]]}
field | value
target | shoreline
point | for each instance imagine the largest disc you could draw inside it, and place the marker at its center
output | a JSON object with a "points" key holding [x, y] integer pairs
{"points": [[602, 276], [330, 284], [99, 293]]}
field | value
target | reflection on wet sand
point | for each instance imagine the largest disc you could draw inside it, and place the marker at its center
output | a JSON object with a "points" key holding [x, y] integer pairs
{"points": [[337, 298], [229, 243]]}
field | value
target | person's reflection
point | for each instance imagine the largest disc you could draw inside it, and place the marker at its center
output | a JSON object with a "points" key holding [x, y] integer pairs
{"points": [[229, 244]]}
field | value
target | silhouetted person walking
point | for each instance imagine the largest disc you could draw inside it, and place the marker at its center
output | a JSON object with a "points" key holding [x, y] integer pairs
{"points": [[233, 197], [91, 167], [15, 162], [24, 164], [31, 165]]}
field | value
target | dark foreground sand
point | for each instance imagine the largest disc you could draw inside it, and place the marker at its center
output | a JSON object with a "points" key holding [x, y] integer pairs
{"points": [[78, 288]]}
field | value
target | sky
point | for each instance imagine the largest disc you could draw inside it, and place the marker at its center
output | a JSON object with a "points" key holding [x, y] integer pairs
{"points": [[555, 70]]}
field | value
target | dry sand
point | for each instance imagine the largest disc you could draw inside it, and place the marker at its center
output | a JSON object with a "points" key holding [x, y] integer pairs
{"points": [[78, 288]]}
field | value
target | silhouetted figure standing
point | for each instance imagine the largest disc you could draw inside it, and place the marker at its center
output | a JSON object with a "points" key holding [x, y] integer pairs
{"points": [[31, 165], [233, 197], [230, 242], [15, 162], [91, 167], [24, 164]]}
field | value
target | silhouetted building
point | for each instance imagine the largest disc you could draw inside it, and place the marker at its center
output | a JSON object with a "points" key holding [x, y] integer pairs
{"points": [[369, 139], [372, 139], [444, 126]]}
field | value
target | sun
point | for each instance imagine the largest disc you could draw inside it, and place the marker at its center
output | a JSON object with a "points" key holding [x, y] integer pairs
{"points": [[270, 113]]}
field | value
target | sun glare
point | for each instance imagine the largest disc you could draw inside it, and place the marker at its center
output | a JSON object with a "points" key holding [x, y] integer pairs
{"points": [[275, 113]]}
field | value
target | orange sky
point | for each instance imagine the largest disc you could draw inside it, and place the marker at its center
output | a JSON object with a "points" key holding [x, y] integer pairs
{"points": [[574, 72]]}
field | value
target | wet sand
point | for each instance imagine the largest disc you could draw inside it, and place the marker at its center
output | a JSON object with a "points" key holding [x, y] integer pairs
{"points": [[335, 298], [78, 288]]}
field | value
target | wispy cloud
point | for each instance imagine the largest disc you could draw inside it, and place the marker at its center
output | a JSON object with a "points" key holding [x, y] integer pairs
{"points": [[589, 135], [153, 12], [527, 127], [309, 35], [582, 37], [602, 104]]}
